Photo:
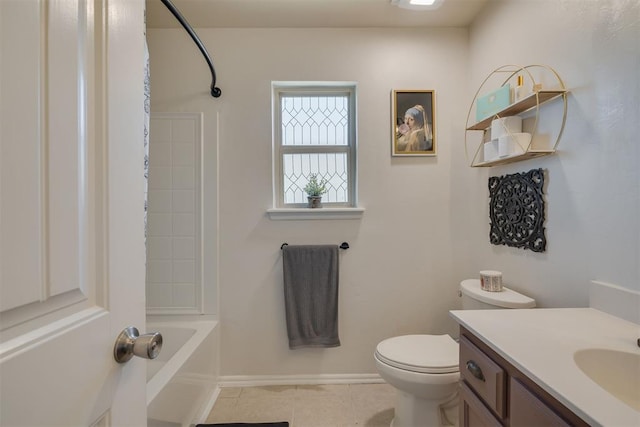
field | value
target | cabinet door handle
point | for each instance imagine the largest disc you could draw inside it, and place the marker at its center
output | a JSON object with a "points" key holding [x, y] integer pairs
{"points": [[475, 370]]}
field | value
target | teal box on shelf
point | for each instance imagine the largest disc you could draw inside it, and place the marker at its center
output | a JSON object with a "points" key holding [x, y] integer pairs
{"points": [[491, 103]]}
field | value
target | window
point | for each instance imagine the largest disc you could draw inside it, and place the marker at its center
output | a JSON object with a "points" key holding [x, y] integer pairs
{"points": [[314, 132]]}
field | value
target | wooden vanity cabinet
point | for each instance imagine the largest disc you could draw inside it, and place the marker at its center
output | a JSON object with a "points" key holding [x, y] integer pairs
{"points": [[473, 412], [527, 409], [495, 393]]}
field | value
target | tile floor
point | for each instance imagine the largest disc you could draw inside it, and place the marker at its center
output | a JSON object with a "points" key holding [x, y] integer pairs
{"points": [[335, 405]]}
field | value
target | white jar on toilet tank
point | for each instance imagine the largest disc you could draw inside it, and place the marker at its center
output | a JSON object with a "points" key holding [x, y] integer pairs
{"points": [[491, 280]]}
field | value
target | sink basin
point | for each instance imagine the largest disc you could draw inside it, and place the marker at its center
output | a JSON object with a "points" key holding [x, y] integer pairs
{"points": [[617, 372]]}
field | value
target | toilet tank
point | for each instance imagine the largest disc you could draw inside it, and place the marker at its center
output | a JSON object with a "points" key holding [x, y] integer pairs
{"points": [[474, 298]]}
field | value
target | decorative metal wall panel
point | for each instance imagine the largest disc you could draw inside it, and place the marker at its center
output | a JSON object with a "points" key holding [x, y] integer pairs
{"points": [[516, 210]]}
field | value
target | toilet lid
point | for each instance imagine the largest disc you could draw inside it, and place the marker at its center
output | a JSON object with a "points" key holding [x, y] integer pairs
{"points": [[431, 354], [506, 298]]}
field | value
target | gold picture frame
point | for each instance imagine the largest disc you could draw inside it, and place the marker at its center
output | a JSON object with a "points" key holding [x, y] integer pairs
{"points": [[413, 130]]}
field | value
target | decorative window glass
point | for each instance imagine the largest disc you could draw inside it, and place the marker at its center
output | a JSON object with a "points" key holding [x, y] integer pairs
{"points": [[314, 133]]}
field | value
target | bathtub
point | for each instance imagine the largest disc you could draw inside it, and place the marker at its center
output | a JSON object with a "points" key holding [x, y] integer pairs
{"points": [[182, 380]]}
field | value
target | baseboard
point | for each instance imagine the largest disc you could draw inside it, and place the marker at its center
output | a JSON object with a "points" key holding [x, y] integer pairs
{"points": [[268, 380]]}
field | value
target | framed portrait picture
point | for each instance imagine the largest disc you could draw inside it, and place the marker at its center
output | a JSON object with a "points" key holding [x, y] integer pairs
{"points": [[413, 123]]}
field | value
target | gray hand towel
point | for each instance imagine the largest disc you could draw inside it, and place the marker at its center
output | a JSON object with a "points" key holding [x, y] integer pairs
{"points": [[311, 295]]}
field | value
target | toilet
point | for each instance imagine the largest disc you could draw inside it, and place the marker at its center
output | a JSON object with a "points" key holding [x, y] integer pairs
{"points": [[424, 368]]}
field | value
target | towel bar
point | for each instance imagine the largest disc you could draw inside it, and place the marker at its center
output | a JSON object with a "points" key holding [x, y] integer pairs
{"points": [[343, 245]]}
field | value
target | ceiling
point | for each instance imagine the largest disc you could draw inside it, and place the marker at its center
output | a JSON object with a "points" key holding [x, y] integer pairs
{"points": [[309, 14]]}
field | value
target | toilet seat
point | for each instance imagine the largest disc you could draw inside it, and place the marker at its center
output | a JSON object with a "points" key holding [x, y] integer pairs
{"points": [[429, 354]]}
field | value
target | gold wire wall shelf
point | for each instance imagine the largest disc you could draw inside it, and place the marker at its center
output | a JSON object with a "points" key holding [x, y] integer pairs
{"points": [[537, 85]]}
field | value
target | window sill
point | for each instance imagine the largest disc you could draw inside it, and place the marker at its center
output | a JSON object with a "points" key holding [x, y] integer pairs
{"points": [[318, 213]]}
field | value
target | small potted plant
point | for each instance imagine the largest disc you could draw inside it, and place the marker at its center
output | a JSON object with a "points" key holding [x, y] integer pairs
{"points": [[315, 190]]}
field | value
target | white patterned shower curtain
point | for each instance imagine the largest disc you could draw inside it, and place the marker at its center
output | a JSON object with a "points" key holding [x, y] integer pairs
{"points": [[147, 113]]}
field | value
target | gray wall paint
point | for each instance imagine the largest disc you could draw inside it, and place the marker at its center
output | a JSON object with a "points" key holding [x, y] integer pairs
{"points": [[593, 189]]}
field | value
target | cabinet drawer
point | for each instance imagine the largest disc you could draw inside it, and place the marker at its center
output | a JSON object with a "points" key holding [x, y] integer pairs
{"points": [[483, 376]]}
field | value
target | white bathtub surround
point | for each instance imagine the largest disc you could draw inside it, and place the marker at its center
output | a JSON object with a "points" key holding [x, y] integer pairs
{"points": [[182, 381], [174, 252], [542, 343]]}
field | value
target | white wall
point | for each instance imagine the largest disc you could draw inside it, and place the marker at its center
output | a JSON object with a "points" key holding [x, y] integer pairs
{"points": [[593, 189], [426, 223], [398, 277]]}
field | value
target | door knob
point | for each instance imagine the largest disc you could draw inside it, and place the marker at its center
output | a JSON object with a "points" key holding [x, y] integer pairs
{"points": [[130, 343]]}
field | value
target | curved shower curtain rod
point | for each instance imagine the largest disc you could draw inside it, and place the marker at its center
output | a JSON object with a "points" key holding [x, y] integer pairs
{"points": [[215, 91]]}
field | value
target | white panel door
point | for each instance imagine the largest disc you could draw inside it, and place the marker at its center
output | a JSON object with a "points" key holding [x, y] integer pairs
{"points": [[71, 211]]}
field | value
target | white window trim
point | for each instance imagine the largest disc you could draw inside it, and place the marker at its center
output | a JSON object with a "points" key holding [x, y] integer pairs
{"points": [[334, 211], [278, 214]]}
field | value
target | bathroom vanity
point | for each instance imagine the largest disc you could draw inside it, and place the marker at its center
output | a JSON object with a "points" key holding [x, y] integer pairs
{"points": [[525, 368], [494, 393]]}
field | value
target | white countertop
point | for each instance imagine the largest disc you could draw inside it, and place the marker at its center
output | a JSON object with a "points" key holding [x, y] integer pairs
{"points": [[541, 343]]}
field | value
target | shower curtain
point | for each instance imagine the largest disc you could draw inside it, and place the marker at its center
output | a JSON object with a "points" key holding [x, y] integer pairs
{"points": [[147, 113]]}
